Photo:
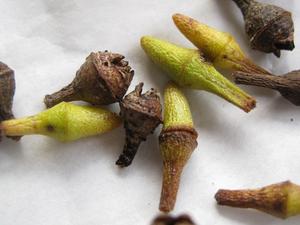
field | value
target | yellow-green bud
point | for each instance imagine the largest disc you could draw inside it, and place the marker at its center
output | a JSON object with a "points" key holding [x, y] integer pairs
{"points": [[65, 122], [177, 141], [188, 68], [220, 47]]}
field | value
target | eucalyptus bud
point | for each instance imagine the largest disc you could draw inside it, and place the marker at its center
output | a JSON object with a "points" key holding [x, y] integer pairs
{"points": [[64, 122], [189, 68], [219, 47], [177, 141]]}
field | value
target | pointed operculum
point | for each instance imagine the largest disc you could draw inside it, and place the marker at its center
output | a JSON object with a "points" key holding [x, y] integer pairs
{"points": [[71, 122], [177, 141], [170, 57], [177, 111], [65, 122], [210, 41], [84, 121], [220, 47], [20, 127], [281, 200]]}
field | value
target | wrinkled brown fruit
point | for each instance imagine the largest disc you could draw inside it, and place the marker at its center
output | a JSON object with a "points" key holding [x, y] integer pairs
{"points": [[141, 114], [269, 27], [170, 220], [7, 91], [288, 85], [103, 79]]}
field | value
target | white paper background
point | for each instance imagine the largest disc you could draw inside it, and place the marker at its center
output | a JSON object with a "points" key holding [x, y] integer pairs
{"points": [[45, 182]]}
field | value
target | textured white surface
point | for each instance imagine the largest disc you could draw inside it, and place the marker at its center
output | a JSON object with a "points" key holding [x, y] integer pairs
{"points": [[45, 182]]}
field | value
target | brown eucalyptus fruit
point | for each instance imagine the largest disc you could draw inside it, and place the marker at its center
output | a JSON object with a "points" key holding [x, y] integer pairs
{"points": [[288, 85], [141, 114], [280, 200], [103, 79], [269, 27], [170, 220], [7, 91]]}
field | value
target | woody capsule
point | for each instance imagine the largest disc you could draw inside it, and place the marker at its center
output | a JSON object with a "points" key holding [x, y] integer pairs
{"points": [[270, 28], [102, 79], [7, 92]]}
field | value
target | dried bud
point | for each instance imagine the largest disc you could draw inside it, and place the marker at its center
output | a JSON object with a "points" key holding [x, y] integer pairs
{"points": [[177, 141], [288, 85], [281, 200], [269, 27], [65, 122], [220, 47], [103, 79], [7, 91], [188, 68], [141, 114], [169, 220]]}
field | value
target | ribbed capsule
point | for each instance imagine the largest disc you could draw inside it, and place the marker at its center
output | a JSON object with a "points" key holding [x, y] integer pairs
{"points": [[288, 85], [65, 122], [7, 92], [188, 68], [221, 48], [177, 141], [141, 114], [280, 200], [103, 79], [270, 28], [171, 220]]}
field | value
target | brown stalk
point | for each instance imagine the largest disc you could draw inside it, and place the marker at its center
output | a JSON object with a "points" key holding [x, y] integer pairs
{"points": [[288, 85]]}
